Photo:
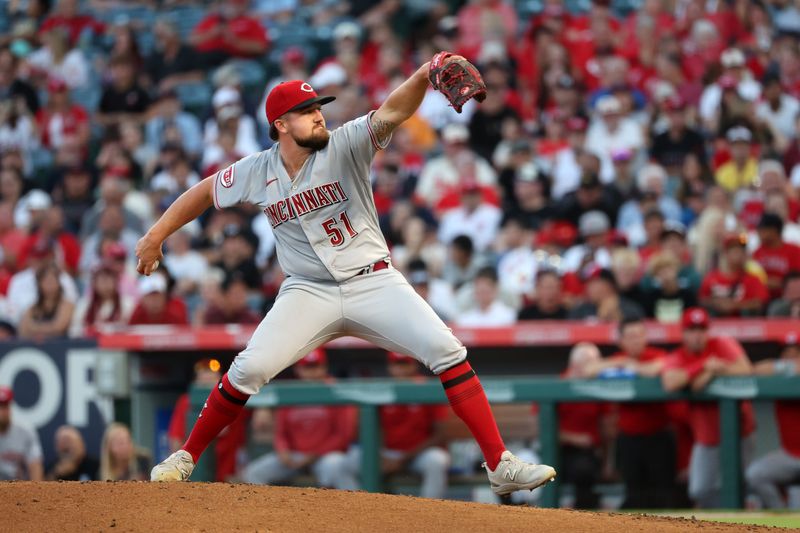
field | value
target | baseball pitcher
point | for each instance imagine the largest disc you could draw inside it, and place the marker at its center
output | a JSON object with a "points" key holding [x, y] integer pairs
{"points": [[313, 186]]}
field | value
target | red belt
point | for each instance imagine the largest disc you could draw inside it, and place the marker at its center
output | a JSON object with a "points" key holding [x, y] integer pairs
{"points": [[374, 267]]}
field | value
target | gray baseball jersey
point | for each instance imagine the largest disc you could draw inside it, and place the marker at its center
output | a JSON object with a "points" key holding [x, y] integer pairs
{"points": [[325, 222]]}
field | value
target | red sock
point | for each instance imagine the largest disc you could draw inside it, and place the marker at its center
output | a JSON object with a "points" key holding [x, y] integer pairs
{"points": [[468, 400], [221, 408]]}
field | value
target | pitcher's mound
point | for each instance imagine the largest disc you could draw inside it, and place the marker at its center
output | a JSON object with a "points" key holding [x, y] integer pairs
{"points": [[217, 507]]}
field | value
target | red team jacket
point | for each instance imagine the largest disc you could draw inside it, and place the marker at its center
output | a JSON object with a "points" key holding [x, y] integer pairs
{"points": [[315, 430], [704, 416], [407, 426]]}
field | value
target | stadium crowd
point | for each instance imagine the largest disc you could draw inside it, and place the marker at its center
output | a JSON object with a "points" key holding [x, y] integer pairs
{"points": [[631, 160]]}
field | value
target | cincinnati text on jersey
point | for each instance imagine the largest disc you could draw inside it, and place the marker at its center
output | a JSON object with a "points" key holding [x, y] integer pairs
{"points": [[305, 202]]}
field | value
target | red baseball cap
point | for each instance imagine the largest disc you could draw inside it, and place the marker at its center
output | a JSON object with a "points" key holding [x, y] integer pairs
{"points": [[291, 96], [6, 394], [314, 357], [396, 357], [695, 317], [735, 239]]}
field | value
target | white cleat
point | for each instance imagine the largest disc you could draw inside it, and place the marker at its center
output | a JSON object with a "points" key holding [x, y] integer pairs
{"points": [[513, 474], [176, 467]]}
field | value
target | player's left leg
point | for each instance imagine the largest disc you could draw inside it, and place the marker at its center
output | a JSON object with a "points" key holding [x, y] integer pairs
{"points": [[383, 308]]}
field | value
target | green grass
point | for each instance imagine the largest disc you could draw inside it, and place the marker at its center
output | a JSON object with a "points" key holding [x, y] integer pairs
{"points": [[790, 520]]}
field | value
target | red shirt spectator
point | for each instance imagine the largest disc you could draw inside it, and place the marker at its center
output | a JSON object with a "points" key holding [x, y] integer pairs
{"points": [[696, 362], [405, 427], [61, 118], [155, 307], [730, 290], [315, 430], [66, 16], [778, 258], [787, 413], [231, 31]]}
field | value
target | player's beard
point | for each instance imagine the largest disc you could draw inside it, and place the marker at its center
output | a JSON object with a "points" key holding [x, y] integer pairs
{"points": [[316, 141]]}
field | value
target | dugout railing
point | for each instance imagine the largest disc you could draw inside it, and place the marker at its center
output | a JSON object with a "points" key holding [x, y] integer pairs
{"points": [[369, 395]]}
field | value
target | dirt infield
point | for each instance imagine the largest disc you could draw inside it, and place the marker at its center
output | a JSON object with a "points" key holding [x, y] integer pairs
{"points": [[212, 507]]}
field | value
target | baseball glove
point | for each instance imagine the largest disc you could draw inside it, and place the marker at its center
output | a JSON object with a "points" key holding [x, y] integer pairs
{"points": [[457, 79]]}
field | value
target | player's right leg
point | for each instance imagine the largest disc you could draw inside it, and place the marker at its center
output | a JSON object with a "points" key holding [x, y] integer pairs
{"points": [[305, 315]]}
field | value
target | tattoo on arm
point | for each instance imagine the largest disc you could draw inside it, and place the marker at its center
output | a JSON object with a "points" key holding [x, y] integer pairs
{"points": [[382, 128]]}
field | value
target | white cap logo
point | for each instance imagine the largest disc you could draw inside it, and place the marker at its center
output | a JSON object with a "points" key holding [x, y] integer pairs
{"points": [[306, 87]]}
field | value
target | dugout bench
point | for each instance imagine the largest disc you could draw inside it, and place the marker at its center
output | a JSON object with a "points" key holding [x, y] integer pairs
{"points": [[368, 395]]}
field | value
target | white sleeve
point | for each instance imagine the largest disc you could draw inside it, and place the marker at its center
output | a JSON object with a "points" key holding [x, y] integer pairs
{"points": [[240, 182], [361, 139]]}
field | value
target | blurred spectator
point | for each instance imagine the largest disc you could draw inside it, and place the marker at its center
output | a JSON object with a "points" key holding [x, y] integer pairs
{"points": [[668, 294], [443, 176], [175, 179], [61, 117], [778, 109], [613, 130], [17, 130], [102, 304], [75, 195], [462, 262], [773, 472], [593, 228], [626, 265], [311, 438], [518, 264], [584, 432], [652, 228], [57, 59], [566, 170], [155, 306], [486, 123], [165, 114], [742, 169], [113, 192], [12, 239], [603, 301], [51, 315], [488, 310], [413, 435], [13, 87], [171, 63], [651, 185], [481, 22], [51, 229], [777, 257], [548, 304], [188, 266], [735, 73], [474, 218], [229, 31], [123, 98], [66, 15], [730, 290], [643, 428], [671, 147], [698, 360], [72, 463], [237, 252], [418, 238], [22, 288], [232, 305], [20, 449], [438, 293], [530, 201], [229, 118], [591, 195], [120, 459], [788, 305], [228, 442], [110, 226]]}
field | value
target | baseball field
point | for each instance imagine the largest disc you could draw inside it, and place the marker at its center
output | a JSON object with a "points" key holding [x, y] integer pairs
{"points": [[214, 507]]}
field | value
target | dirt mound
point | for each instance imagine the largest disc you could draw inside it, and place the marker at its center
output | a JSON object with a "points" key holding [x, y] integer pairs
{"points": [[213, 507]]}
